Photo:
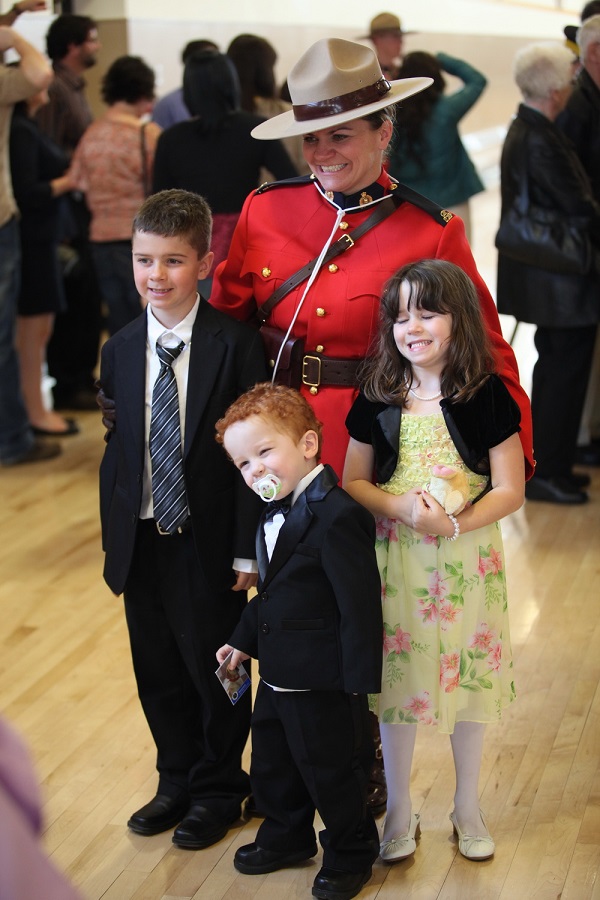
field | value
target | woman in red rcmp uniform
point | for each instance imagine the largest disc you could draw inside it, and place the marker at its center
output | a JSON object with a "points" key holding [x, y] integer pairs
{"points": [[341, 107]]}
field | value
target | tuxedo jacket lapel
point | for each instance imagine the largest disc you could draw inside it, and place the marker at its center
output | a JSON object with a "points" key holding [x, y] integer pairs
{"points": [[130, 355], [297, 521], [206, 355]]}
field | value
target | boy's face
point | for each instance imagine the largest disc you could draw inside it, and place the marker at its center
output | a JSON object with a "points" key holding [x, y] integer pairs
{"points": [[257, 449], [166, 272]]}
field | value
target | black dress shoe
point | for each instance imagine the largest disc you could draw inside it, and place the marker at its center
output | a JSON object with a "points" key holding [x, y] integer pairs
{"points": [[554, 490], [254, 860], [38, 452], [160, 814], [72, 428], [331, 884], [201, 828]]}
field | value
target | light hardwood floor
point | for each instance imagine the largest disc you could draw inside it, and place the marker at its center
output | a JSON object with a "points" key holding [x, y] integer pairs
{"points": [[66, 683]]}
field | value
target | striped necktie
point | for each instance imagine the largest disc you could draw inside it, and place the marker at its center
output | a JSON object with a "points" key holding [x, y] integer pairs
{"points": [[168, 487]]}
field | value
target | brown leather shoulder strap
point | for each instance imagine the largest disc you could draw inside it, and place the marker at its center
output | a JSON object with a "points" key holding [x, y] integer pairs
{"points": [[382, 211]]}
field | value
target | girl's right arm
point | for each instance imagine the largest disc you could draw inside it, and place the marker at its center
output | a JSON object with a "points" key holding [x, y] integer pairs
{"points": [[358, 472]]}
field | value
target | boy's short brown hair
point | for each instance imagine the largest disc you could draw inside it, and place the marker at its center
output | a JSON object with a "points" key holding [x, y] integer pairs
{"points": [[177, 213], [284, 407]]}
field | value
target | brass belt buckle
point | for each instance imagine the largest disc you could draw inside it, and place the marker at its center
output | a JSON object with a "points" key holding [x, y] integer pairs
{"points": [[348, 239], [305, 361]]}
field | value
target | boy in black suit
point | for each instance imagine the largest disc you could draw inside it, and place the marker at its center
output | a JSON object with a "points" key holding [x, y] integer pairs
{"points": [[177, 528], [315, 626]]}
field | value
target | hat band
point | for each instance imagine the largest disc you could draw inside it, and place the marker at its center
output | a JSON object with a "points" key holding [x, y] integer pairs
{"points": [[322, 109]]}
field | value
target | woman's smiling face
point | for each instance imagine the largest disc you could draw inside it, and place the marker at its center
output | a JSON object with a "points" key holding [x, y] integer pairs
{"points": [[347, 158]]}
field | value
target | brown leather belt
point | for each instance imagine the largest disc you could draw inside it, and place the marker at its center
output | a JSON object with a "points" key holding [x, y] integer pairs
{"points": [[320, 371]]}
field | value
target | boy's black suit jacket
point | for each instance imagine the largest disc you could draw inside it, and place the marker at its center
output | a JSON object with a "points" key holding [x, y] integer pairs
{"points": [[226, 358], [316, 620]]}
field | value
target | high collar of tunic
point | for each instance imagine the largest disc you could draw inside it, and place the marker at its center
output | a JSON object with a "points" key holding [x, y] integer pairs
{"points": [[365, 197]]}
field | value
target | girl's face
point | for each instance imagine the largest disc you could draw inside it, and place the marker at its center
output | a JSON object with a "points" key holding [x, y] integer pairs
{"points": [[422, 337]]}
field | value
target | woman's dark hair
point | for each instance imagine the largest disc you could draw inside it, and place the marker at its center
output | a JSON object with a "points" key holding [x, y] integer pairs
{"points": [[66, 30], [442, 287], [128, 79], [254, 59], [211, 89], [412, 117]]}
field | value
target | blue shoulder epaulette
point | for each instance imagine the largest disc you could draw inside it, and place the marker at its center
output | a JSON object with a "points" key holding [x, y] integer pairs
{"points": [[442, 216], [296, 181]]}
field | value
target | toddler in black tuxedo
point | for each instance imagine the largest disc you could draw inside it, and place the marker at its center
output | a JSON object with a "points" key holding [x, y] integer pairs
{"points": [[177, 527], [315, 627]]}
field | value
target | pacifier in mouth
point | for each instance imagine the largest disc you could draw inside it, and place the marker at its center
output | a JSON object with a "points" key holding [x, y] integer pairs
{"points": [[267, 487]]}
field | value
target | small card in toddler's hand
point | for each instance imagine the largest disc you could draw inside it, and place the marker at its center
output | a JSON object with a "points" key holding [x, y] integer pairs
{"points": [[235, 681]]}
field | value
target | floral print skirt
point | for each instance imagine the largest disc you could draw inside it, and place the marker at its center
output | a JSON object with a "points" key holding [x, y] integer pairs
{"points": [[446, 644]]}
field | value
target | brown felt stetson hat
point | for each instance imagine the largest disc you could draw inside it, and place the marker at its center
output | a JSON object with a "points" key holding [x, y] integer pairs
{"points": [[384, 23], [334, 82]]}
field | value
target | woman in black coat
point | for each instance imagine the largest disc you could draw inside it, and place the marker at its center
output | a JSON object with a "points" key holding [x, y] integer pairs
{"points": [[566, 308], [40, 180]]}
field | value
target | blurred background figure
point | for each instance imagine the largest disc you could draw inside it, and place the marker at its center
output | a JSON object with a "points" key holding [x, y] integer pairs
{"points": [[427, 153], [213, 153], [38, 168], [565, 307], [580, 121], [387, 36], [112, 166], [25, 870], [72, 44], [254, 59], [171, 108]]}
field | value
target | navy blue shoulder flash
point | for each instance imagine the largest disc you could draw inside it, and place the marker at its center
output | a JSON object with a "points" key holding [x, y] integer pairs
{"points": [[442, 216], [297, 181]]}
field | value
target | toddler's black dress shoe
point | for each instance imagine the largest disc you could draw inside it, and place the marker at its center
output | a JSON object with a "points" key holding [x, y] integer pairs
{"points": [[554, 490], [331, 884], [160, 814], [201, 828], [253, 860]]}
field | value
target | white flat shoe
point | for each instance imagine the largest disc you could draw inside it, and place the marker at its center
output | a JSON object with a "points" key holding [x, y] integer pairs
{"points": [[403, 846], [475, 847]]}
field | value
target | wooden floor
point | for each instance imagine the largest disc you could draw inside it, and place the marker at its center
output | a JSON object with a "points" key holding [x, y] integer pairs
{"points": [[66, 683]]}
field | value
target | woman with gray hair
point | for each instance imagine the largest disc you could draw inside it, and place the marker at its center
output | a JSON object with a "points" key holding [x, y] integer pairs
{"points": [[539, 164]]}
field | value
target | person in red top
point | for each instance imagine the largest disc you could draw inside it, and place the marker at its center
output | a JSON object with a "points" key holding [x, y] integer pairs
{"points": [[342, 108]]}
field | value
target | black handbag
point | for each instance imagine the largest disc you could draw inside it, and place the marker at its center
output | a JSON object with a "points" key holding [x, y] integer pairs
{"points": [[545, 238]]}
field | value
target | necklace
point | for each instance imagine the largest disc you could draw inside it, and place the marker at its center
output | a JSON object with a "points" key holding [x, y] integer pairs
{"points": [[424, 399]]}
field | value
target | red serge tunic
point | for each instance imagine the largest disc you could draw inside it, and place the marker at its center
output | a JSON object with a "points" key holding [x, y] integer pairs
{"points": [[284, 225]]}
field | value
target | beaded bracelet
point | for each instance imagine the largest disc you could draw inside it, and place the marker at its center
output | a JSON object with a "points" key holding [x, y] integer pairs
{"points": [[454, 521]]}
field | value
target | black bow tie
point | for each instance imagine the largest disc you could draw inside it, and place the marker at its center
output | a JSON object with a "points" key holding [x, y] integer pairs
{"points": [[278, 506]]}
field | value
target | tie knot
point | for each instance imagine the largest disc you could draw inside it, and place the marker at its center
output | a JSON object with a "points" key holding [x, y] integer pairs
{"points": [[167, 355]]}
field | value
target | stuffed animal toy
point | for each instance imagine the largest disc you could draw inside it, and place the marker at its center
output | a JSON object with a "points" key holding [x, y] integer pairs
{"points": [[450, 488]]}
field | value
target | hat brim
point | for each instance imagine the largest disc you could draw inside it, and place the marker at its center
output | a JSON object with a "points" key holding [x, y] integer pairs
{"points": [[400, 32], [285, 125]]}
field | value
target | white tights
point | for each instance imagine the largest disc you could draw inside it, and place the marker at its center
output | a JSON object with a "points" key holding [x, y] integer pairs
{"points": [[398, 743]]}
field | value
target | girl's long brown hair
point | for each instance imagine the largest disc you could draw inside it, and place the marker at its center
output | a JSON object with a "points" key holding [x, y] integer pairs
{"points": [[436, 285]]}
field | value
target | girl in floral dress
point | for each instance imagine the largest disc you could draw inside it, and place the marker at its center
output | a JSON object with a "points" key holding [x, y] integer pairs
{"points": [[430, 396]]}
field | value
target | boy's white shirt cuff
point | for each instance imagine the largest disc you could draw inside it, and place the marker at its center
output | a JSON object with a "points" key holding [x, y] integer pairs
{"points": [[245, 565]]}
